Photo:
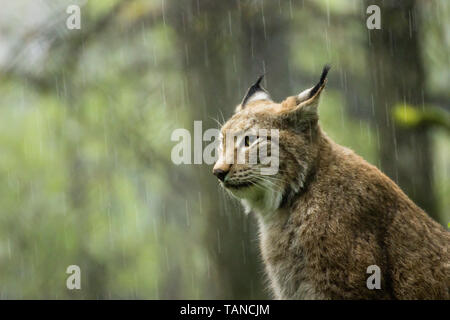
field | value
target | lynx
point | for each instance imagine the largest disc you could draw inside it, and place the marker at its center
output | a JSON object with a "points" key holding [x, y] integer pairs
{"points": [[327, 214]]}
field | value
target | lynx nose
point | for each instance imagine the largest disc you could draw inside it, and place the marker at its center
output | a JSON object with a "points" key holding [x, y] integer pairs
{"points": [[220, 174]]}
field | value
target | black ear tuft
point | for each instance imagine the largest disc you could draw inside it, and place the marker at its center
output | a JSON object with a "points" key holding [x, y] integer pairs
{"points": [[321, 82], [255, 88], [259, 81]]}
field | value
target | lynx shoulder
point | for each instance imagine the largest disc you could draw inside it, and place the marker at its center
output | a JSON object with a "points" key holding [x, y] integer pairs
{"points": [[325, 214]]}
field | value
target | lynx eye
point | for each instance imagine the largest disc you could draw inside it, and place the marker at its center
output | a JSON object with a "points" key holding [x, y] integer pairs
{"points": [[248, 140]]}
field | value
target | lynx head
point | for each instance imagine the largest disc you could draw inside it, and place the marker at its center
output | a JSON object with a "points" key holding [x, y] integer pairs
{"points": [[268, 149]]}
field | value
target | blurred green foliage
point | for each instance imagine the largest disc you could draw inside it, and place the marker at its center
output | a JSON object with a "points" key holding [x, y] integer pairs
{"points": [[410, 117]]}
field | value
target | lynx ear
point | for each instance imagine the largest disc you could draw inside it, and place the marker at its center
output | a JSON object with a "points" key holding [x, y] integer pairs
{"points": [[304, 106], [314, 92], [255, 92]]}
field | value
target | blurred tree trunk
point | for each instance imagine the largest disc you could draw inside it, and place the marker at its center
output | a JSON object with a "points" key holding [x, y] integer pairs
{"points": [[224, 47], [205, 49], [264, 48], [397, 77]]}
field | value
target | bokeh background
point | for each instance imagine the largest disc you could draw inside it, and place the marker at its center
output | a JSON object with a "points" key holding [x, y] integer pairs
{"points": [[86, 118]]}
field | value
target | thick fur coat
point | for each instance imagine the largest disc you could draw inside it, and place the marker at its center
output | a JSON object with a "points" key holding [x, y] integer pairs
{"points": [[327, 214]]}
